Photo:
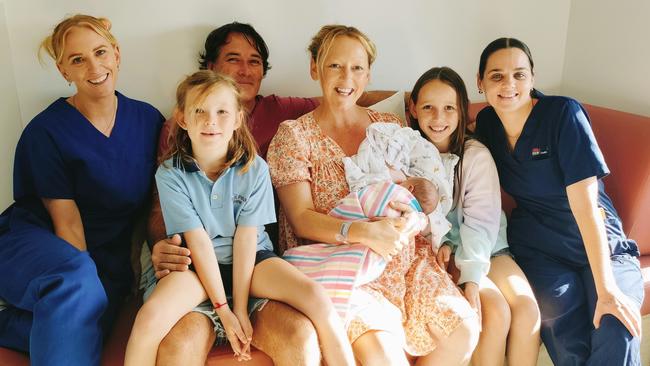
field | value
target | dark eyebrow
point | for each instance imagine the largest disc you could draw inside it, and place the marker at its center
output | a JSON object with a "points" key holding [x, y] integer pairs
{"points": [[499, 70], [229, 54]]}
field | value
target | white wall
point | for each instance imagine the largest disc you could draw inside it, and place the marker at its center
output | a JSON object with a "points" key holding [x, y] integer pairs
{"points": [[160, 40], [9, 117], [607, 60]]}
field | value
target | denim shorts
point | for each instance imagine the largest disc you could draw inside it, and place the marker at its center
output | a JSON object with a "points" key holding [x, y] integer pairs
{"points": [[148, 283]]}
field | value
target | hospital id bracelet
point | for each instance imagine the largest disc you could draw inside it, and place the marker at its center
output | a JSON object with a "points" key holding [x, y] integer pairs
{"points": [[342, 235]]}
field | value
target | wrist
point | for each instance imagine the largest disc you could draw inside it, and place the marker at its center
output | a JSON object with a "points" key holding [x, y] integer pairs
{"points": [[220, 306], [356, 232], [343, 236]]}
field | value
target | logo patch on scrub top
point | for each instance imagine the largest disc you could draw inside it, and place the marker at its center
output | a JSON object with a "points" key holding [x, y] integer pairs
{"points": [[539, 153]]}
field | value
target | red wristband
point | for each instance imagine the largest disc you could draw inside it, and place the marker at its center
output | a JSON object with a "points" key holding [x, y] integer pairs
{"points": [[217, 306]]}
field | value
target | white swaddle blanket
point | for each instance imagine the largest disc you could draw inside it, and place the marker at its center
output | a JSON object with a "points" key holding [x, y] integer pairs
{"points": [[387, 147]]}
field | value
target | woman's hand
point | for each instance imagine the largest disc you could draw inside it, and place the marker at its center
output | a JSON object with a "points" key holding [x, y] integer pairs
{"points": [[167, 255], [443, 256], [387, 236], [234, 332], [384, 238], [471, 292], [620, 306]]}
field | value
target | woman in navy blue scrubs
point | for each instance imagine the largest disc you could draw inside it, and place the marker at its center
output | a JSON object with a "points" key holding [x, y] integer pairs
{"points": [[82, 172], [565, 233]]}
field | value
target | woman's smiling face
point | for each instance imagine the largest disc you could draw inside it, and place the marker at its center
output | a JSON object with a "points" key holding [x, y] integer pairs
{"points": [[90, 62], [507, 80], [344, 73]]}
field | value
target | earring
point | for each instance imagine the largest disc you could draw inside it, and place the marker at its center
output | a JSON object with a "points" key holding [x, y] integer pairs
{"points": [[69, 83], [480, 91]]}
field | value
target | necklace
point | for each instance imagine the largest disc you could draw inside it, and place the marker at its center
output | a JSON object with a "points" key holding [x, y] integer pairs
{"points": [[109, 126]]}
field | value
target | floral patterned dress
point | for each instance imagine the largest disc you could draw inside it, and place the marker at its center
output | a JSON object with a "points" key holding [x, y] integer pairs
{"points": [[414, 293]]}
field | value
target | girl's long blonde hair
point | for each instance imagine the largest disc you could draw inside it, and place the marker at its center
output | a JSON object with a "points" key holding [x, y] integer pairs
{"points": [[241, 146]]}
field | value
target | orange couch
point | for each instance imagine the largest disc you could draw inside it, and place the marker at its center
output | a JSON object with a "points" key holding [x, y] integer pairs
{"points": [[623, 138]]}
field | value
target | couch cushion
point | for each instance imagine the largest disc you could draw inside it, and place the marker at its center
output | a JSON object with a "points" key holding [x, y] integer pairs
{"points": [[623, 139]]}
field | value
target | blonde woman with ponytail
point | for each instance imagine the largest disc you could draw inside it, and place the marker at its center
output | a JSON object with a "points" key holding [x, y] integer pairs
{"points": [[83, 170]]}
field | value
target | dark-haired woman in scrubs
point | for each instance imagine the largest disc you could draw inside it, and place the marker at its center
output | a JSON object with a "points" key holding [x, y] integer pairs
{"points": [[565, 233]]}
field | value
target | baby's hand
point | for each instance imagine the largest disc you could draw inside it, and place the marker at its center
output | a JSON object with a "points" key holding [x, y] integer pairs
{"points": [[443, 255]]}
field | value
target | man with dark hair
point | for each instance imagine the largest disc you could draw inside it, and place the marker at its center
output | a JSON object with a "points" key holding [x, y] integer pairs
{"points": [[282, 332]]}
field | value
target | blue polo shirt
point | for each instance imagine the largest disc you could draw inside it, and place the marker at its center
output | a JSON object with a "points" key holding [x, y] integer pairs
{"points": [[556, 148], [190, 200]]}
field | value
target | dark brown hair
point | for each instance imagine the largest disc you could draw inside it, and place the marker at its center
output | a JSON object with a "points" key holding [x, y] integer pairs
{"points": [[462, 134], [499, 44], [218, 38]]}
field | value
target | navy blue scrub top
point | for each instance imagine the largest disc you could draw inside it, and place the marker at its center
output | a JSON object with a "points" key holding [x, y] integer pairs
{"points": [[60, 154], [556, 148]]}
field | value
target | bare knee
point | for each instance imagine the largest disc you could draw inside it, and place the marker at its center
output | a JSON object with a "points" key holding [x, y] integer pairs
{"points": [[148, 322], [286, 335], [315, 303], [188, 342], [525, 313], [464, 339], [379, 348], [496, 316]]}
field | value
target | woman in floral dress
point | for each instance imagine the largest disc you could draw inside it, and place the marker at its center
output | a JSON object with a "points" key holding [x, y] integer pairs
{"points": [[413, 309]]}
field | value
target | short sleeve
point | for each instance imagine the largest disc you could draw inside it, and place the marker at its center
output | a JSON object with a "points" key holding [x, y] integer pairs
{"points": [[259, 208], [289, 155], [578, 153], [40, 168], [177, 207]]}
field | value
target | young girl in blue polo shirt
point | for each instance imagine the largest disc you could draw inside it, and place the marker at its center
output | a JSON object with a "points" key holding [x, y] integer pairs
{"points": [[216, 192], [492, 282]]}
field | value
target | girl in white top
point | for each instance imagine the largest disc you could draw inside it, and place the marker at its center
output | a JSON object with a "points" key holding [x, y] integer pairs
{"points": [[492, 282]]}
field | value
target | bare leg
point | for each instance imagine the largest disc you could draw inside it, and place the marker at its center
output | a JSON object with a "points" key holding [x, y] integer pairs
{"points": [[491, 348], [286, 335], [523, 339], [276, 279], [159, 314], [379, 348], [457, 348], [188, 342]]}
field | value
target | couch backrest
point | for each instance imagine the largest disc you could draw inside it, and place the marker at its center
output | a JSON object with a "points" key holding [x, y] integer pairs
{"points": [[624, 139]]}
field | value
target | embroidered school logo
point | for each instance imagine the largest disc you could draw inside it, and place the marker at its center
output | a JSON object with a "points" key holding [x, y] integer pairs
{"points": [[238, 199], [539, 152]]}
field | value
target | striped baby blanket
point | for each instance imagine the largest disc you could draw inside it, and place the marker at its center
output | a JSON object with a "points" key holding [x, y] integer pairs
{"points": [[341, 268]]}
